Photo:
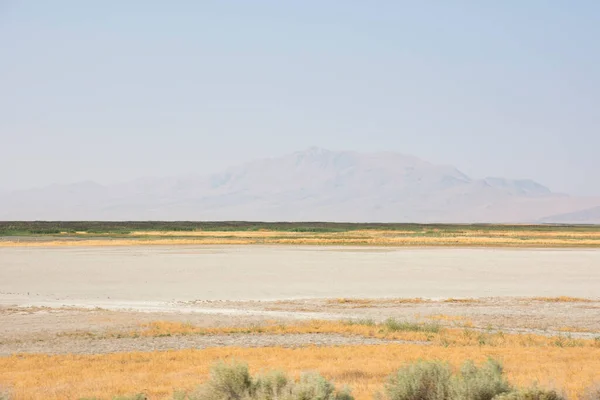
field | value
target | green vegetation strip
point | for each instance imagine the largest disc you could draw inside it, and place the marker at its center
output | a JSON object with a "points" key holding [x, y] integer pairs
{"points": [[37, 228]]}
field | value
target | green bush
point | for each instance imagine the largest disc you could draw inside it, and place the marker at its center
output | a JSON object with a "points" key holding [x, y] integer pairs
{"points": [[424, 380], [433, 380], [482, 383], [313, 386], [227, 382], [530, 394], [234, 382]]}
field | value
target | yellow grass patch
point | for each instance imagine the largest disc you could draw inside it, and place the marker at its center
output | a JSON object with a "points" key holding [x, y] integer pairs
{"points": [[364, 368], [353, 302], [456, 337], [562, 299], [500, 238], [361, 303], [462, 301]]}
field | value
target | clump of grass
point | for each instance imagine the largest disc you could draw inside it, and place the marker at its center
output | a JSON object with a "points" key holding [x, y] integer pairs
{"points": [[413, 300], [361, 321], [394, 325], [433, 380], [353, 302], [425, 380], [483, 383], [461, 301], [531, 394], [234, 382], [562, 299]]}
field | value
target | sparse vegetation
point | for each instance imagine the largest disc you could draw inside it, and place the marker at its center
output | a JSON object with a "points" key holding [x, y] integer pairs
{"points": [[562, 299], [363, 367], [116, 227], [391, 329], [233, 382], [425, 380], [433, 380], [97, 233], [362, 321], [480, 383], [420, 380], [393, 325], [531, 394]]}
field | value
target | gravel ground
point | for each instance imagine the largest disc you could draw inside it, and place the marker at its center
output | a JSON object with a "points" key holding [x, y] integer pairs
{"points": [[64, 345], [63, 330]]}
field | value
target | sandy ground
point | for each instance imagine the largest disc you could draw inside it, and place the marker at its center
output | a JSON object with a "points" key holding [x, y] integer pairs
{"points": [[51, 298]]}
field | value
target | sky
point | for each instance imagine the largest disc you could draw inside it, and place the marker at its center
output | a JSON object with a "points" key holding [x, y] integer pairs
{"points": [[116, 90]]}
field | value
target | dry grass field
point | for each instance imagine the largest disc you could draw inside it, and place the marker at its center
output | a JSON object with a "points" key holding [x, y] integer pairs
{"points": [[451, 236], [560, 362], [363, 368], [427, 333]]}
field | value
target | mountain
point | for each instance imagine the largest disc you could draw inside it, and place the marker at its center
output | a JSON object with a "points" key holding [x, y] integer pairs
{"points": [[314, 184], [587, 216]]}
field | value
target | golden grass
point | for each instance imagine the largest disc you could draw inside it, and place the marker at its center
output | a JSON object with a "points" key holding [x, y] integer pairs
{"points": [[362, 303], [364, 368], [499, 238], [447, 337], [562, 299], [462, 301]]}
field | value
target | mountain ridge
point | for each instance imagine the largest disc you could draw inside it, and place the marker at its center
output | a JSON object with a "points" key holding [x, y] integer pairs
{"points": [[312, 184]]}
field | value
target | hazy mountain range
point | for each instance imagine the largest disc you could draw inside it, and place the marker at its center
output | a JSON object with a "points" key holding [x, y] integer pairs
{"points": [[314, 184]]}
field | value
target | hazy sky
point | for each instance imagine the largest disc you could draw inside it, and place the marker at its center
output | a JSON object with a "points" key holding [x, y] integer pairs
{"points": [[113, 90]]}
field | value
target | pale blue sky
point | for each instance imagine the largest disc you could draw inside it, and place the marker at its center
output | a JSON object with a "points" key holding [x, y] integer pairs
{"points": [[113, 90]]}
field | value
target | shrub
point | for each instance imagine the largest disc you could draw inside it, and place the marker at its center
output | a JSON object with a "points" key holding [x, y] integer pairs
{"points": [[424, 380], [234, 382], [482, 383], [271, 386], [227, 382], [531, 394], [433, 380], [313, 386]]}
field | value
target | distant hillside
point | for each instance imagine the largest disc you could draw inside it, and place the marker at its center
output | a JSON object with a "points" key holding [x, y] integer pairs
{"points": [[587, 216], [314, 184]]}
